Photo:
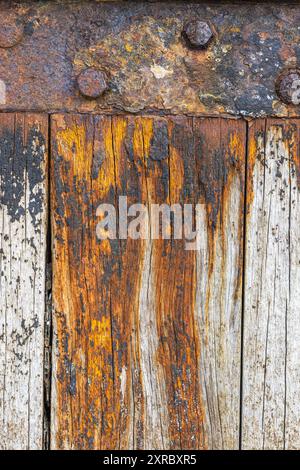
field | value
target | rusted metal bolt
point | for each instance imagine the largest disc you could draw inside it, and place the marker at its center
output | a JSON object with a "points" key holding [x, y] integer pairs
{"points": [[288, 86], [198, 34], [92, 83], [11, 30]]}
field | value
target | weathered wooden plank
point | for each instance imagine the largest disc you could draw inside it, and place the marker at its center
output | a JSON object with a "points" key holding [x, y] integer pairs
{"points": [[23, 228], [271, 359], [221, 145], [146, 333]]}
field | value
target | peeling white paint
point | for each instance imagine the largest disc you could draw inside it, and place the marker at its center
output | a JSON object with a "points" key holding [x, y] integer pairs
{"points": [[123, 381], [22, 307]]}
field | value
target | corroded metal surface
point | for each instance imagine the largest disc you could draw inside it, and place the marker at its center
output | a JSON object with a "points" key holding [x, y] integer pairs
{"points": [[92, 83], [198, 34], [288, 86], [141, 49]]}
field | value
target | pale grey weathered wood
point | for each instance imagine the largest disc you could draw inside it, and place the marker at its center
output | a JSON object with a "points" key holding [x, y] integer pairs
{"points": [[219, 277], [23, 228], [271, 359]]}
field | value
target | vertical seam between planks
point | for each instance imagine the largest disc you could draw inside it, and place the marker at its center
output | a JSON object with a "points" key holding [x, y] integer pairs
{"points": [[243, 281], [47, 362]]}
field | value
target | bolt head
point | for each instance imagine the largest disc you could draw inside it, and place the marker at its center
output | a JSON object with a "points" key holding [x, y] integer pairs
{"points": [[288, 86], [198, 34], [92, 83], [11, 30]]}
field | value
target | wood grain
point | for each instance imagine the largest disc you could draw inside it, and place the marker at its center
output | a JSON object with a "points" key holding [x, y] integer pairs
{"points": [[221, 144], [147, 334], [271, 359], [23, 229]]}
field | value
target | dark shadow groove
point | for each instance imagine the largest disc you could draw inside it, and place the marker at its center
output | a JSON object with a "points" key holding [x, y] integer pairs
{"points": [[48, 312], [243, 283]]}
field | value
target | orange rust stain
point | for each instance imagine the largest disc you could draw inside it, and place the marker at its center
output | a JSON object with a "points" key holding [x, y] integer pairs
{"points": [[73, 144], [236, 144], [119, 127], [294, 148], [101, 333], [105, 244], [147, 125], [234, 29], [107, 176], [138, 143], [286, 54], [128, 47], [176, 170], [263, 35]]}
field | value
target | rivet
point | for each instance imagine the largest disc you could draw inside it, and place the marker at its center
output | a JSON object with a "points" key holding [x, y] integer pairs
{"points": [[288, 86], [198, 34], [11, 30], [92, 83]]}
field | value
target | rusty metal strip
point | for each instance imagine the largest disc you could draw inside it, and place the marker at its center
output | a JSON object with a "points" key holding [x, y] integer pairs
{"points": [[145, 57]]}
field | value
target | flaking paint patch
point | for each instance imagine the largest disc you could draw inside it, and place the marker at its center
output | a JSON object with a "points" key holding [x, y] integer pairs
{"points": [[23, 233], [123, 377], [21, 166]]}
